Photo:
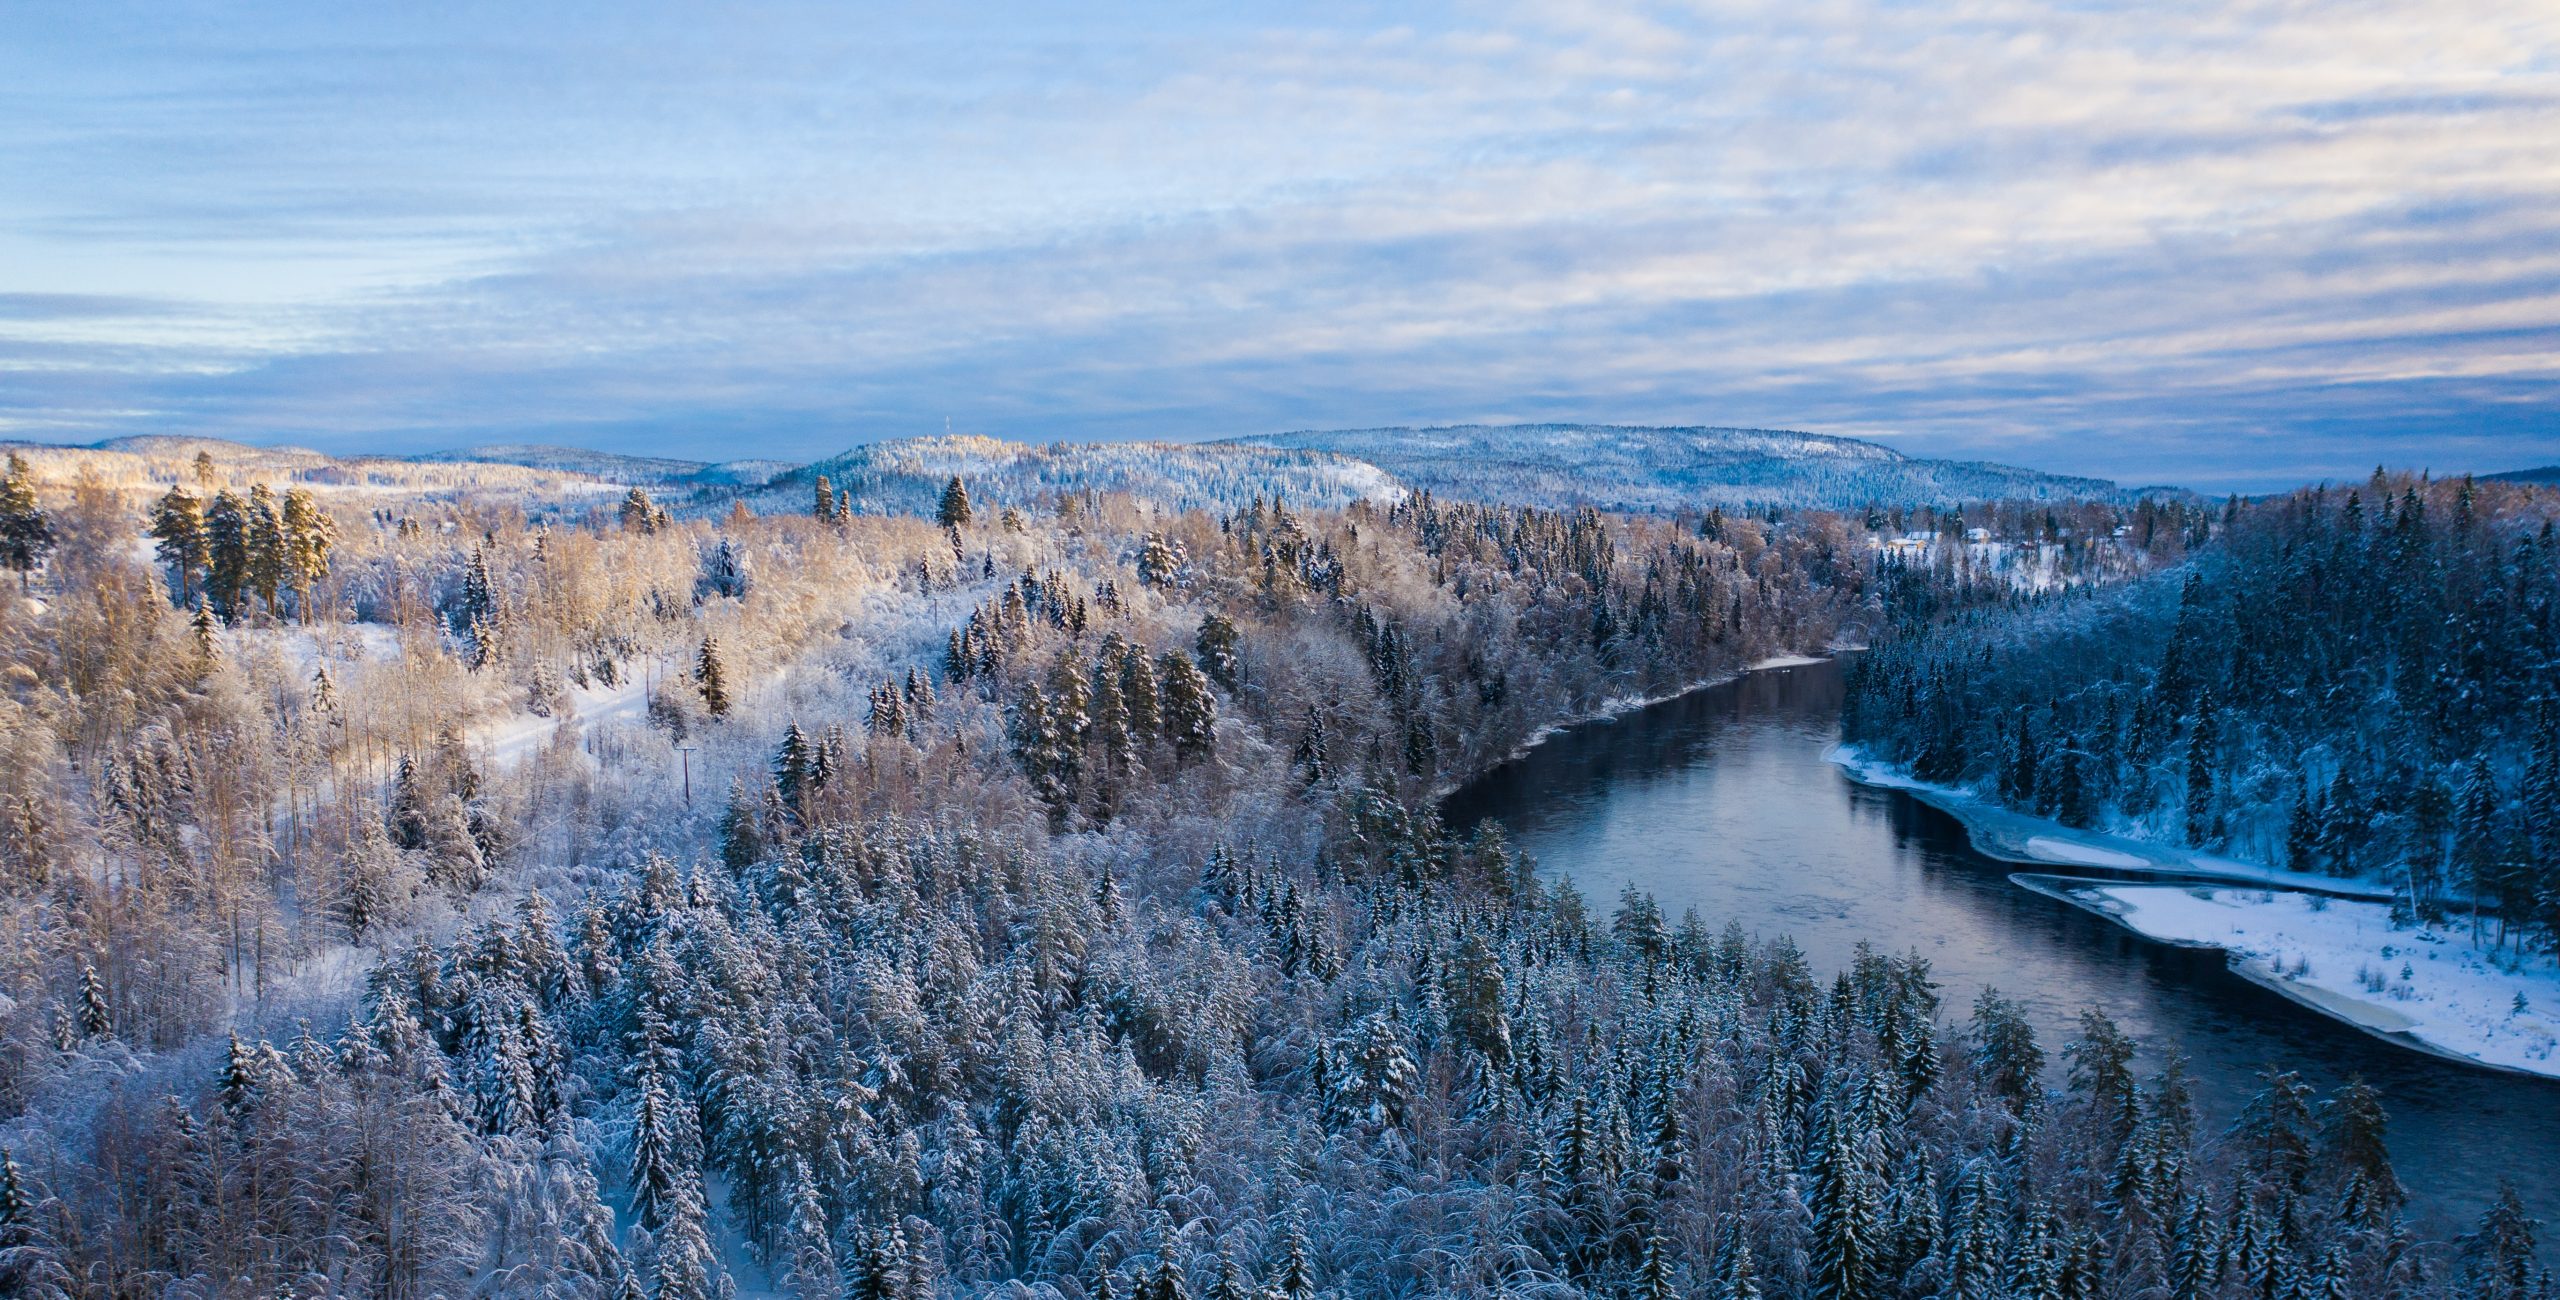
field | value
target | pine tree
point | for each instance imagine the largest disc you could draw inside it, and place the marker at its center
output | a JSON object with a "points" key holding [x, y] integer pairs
{"points": [[226, 532], [310, 535], [1217, 645], [791, 768], [95, 1020], [712, 677], [1846, 1221], [2502, 1250], [26, 532], [825, 511], [1190, 711], [177, 523], [207, 635], [952, 512], [266, 548], [639, 514], [807, 1255], [1295, 1279], [1158, 562]]}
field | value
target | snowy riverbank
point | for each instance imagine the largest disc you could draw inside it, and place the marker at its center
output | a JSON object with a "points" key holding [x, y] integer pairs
{"points": [[2426, 988], [2017, 837]]}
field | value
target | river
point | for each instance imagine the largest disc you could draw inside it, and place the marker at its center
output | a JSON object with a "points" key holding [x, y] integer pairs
{"points": [[1722, 800]]}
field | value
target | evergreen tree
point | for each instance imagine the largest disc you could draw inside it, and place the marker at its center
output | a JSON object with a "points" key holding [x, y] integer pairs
{"points": [[825, 511], [95, 1020], [1846, 1220], [792, 767], [1190, 712], [712, 678], [310, 535], [952, 512], [1158, 562], [1217, 646], [26, 532], [2502, 1250], [178, 525], [639, 514], [226, 532]]}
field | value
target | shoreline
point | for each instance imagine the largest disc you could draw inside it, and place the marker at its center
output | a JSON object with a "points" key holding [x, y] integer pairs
{"points": [[2377, 1022], [2023, 839], [1616, 707]]}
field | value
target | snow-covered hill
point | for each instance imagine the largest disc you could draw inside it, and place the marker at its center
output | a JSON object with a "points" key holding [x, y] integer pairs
{"points": [[613, 467], [1654, 468], [906, 476]]}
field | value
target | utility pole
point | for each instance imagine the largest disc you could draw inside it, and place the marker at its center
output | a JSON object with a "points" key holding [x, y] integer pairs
{"points": [[687, 751]]}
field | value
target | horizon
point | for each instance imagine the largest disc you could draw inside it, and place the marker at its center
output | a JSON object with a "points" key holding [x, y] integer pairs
{"points": [[2225, 247]]}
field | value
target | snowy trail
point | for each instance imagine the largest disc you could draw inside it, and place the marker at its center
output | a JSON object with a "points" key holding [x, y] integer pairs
{"points": [[509, 738], [2424, 988]]}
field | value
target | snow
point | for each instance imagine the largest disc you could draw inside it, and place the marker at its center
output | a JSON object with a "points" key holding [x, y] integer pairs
{"points": [[2345, 958], [1785, 661], [2012, 836], [517, 734], [2053, 849]]}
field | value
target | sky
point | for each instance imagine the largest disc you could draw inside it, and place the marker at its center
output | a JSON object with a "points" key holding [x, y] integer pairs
{"points": [[2210, 243]]}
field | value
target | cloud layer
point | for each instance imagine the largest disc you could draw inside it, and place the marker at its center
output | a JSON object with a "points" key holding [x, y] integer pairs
{"points": [[2220, 243]]}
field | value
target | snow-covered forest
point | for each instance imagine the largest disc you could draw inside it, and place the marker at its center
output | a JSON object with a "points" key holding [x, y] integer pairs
{"points": [[412, 891], [2362, 683]]}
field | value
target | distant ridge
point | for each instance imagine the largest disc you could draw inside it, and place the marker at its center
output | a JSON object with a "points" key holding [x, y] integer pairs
{"points": [[2547, 474], [905, 475], [614, 466], [1643, 467]]}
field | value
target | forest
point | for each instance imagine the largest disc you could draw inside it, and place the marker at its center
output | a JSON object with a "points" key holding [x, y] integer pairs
{"points": [[411, 893], [2359, 682]]}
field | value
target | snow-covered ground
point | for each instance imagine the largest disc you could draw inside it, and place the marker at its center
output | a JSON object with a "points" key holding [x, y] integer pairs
{"points": [[2012, 836], [511, 736], [2428, 987]]}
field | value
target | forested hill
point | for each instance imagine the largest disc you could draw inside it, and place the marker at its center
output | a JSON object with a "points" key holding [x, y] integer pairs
{"points": [[1625, 467], [907, 475], [2363, 682]]}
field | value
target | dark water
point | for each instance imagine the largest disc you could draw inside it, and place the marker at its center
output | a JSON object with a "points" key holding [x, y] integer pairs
{"points": [[1721, 800]]}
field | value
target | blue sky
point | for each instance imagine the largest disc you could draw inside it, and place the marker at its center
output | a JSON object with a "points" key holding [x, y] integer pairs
{"points": [[2213, 243]]}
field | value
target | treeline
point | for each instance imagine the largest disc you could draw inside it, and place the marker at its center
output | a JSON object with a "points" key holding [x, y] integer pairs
{"points": [[2360, 682]]}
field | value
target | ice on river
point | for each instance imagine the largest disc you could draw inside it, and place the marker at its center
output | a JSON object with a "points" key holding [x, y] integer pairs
{"points": [[2345, 957]]}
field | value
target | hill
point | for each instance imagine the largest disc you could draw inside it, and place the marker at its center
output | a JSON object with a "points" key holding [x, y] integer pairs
{"points": [[613, 467], [2545, 474], [1653, 468], [906, 476]]}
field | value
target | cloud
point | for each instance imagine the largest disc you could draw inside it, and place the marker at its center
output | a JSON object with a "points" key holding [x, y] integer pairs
{"points": [[2220, 243]]}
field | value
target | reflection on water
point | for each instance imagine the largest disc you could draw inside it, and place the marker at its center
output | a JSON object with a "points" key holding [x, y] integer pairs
{"points": [[1722, 801]]}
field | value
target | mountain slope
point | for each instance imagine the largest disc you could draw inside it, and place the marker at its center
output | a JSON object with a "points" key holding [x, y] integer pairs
{"points": [[2545, 474], [1653, 468]]}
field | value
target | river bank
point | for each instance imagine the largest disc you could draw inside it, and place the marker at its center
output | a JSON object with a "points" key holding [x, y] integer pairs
{"points": [[2422, 988], [2316, 940], [2010, 836]]}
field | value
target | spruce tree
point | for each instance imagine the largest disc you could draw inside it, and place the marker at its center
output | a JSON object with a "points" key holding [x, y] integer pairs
{"points": [[26, 532], [1217, 646], [226, 532], [712, 678], [1158, 562], [1190, 712], [952, 512]]}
